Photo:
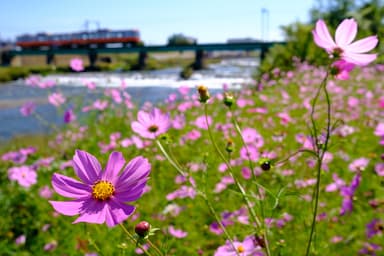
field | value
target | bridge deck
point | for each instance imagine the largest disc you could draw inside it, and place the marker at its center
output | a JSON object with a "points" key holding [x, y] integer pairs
{"points": [[160, 48]]}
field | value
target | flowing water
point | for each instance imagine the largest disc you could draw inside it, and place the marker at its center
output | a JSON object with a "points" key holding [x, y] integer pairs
{"points": [[152, 86]]}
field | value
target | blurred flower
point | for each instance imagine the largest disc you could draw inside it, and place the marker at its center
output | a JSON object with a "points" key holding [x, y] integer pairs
{"points": [[201, 122], [56, 99], [375, 227], [359, 164], [50, 246], [178, 233], [370, 249], [246, 248], [101, 195], [151, 125], [342, 47], [379, 169], [20, 240], [27, 108], [69, 116], [140, 251], [24, 175], [45, 192], [76, 64], [348, 192]]}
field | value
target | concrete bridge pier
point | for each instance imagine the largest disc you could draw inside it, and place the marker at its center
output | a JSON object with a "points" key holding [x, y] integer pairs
{"points": [[199, 60], [263, 52], [92, 57], [142, 61], [50, 58], [6, 58]]}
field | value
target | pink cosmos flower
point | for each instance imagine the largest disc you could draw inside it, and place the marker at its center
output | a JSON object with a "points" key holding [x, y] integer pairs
{"points": [[28, 108], [379, 169], [178, 233], [24, 175], [76, 64], [56, 99], [100, 196], [20, 240], [45, 192], [246, 248], [151, 125], [342, 46]]}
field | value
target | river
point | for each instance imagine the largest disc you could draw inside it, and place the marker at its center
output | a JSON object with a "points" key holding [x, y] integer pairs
{"points": [[152, 86]]}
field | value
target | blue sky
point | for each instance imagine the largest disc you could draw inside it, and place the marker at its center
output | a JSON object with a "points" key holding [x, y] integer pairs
{"points": [[209, 21]]}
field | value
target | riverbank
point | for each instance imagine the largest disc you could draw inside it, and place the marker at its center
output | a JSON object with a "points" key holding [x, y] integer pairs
{"points": [[142, 86]]}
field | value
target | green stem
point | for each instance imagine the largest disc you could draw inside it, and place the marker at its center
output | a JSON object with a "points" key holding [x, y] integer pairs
{"points": [[238, 130], [130, 236], [170, 159], [218, 220], [152, 245], [237, 183], [320, 156]]}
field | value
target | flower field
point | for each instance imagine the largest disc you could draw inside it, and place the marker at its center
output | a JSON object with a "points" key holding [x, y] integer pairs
{"points": [[290, 165]]}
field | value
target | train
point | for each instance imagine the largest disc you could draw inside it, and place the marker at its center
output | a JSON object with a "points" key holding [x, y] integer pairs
{"points": [[84, 39]]}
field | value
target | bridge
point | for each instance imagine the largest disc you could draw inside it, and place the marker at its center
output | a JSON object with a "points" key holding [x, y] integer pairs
{"points": [[262, 47]]}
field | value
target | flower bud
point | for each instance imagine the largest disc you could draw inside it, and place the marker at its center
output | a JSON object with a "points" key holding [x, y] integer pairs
{"points": [[265, 164], [203, 93], [143, 228], [229, 147], [228, 99]]}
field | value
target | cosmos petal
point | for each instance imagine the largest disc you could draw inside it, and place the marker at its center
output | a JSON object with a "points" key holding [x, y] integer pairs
{"points": [[360, 59], [70, 187], [345, 32], [93, 211], [363, 45], [138, 168], [117, 212], [322, 36], [115, 163], [69, 208], [87, 167]]}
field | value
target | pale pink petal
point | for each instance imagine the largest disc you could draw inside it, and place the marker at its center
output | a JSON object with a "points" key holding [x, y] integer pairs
{"points": [[116, 161], [69, 208], [93, 211], [70, 187], [363, 45], [359, 59], [143, 117], [346, 32], [87, 167], [117, 212], [138, 168], [138, 127], [322, 36]]}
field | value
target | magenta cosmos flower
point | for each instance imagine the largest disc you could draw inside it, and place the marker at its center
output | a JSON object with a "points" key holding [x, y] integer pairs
{"points": [[342, 46], [151, 125], [100, 196]]}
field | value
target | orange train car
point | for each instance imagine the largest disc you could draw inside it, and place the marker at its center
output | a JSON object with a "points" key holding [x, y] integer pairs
{"points": [[99, 38]]}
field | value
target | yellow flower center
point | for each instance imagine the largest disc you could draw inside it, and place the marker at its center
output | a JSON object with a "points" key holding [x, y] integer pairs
{"points": [[102, 190], [240, 248], [153, 128]]}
